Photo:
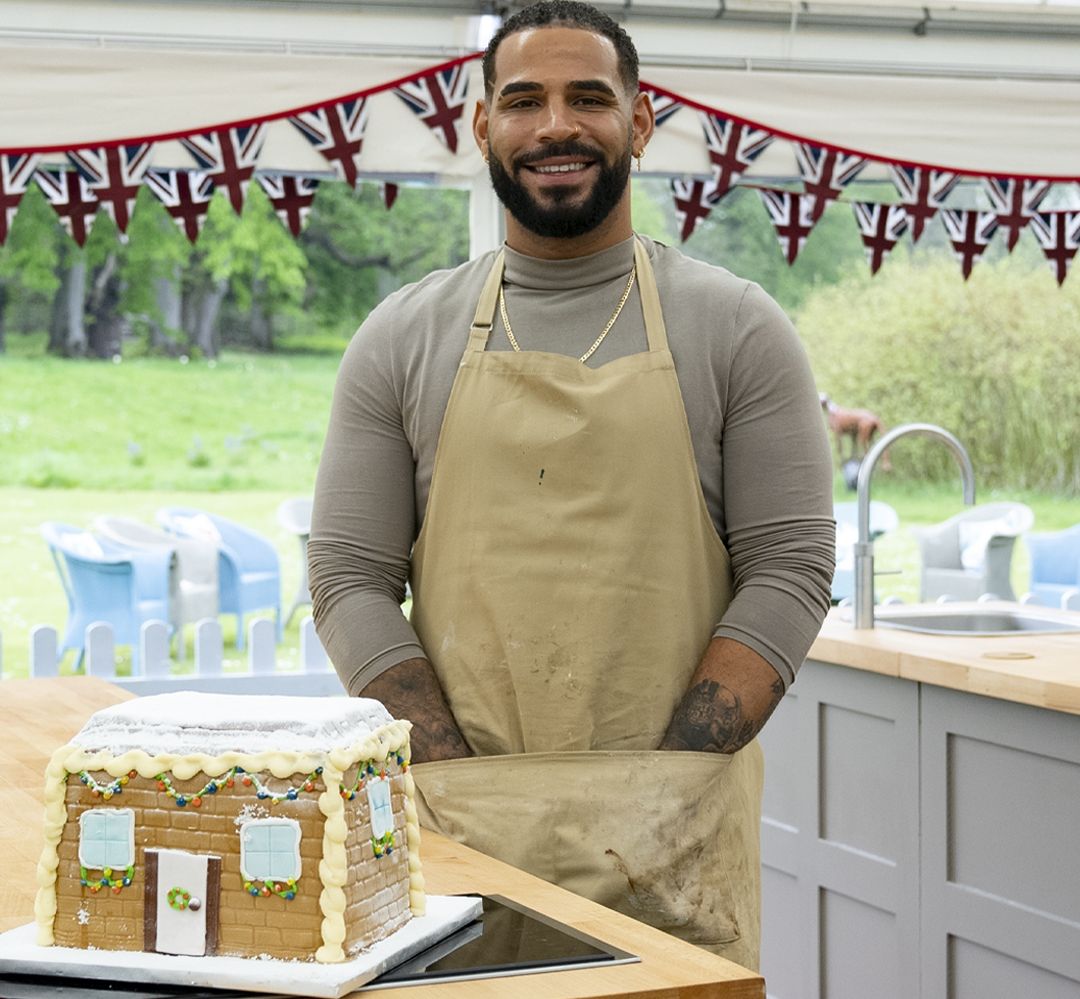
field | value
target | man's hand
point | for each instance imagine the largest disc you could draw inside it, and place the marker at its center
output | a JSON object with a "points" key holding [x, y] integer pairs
{"points": [[730, 697], [411, 690]]}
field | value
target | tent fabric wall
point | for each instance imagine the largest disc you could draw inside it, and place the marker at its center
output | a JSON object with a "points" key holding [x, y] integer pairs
{"points": [[60, 96]]}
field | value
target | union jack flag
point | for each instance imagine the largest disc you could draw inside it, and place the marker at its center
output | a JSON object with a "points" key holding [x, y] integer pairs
{"points": [[664, 105], [825, 173], [438, 99], [880, 226], [792, 215], [389, 193], [970, 234], [337, 131], [291, 197], [228, 156], [1058, 234], [1014, 202], [186, 195], [71, 197], [732, 147], [922, 192], [114, 175], [694, 199], [16, 173]]}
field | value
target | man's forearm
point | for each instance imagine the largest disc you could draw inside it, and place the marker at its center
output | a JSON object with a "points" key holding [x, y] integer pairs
{"points": [[730, 697], [411, 690]]}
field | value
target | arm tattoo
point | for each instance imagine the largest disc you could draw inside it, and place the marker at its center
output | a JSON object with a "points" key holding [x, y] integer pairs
{"points": [[411, 690], [711, 719]]}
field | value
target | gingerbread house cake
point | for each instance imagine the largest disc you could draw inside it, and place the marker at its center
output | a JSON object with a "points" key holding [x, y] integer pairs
{"points": [[222, 824]]}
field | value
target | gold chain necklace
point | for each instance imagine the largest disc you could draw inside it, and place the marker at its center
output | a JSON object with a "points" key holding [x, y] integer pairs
{"points": [[596, 343]]}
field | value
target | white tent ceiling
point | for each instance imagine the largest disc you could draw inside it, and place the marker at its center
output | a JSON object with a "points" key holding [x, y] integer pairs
{"points": [[980, 87]]}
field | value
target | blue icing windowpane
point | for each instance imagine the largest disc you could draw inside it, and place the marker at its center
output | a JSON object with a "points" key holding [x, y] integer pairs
{"points": [[382, 818], [257, 864], [93, 854], [117, 855], [283, 839], [93, 827], [256, 837]]}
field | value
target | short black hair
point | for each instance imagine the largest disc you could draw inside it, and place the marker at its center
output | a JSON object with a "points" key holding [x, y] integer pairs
{"points": [[566, 14]]}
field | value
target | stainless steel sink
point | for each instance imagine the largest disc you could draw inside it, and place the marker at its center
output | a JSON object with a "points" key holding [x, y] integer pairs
{"points": [[977, 622]]}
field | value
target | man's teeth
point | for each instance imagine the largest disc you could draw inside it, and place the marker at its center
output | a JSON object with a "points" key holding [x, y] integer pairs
{"points": [[561, 168]]}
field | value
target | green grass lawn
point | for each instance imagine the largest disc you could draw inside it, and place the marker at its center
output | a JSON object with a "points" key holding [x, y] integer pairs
{"points": [[237, 437]]}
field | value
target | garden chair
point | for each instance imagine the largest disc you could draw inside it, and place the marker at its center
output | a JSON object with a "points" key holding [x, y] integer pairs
{"points": [[883, 518], [193, 576], [104, 582], [294, 515], [970, 554], [1055, 565], [249, 572]]}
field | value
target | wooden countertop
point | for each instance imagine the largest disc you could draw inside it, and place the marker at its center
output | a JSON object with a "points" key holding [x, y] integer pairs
{"points": [[1029, 668], [45, 713]]}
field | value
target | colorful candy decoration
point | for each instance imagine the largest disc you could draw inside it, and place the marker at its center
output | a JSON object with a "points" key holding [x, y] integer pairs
{"points": [[384, 845], [212, 786], [179, 899], [264, 889], [368, 769], [108, 879]]}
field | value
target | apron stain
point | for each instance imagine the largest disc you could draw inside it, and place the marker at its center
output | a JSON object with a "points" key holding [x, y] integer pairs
{"points": [[541, 482]]}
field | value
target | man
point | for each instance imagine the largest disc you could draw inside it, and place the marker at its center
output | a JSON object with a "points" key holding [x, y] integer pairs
{"points": [[603, 468]]}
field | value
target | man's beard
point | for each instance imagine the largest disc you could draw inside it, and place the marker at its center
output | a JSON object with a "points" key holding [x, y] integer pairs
{"points": [[560, 219]]}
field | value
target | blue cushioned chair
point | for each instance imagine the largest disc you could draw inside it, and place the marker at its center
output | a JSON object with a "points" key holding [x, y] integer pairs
{"points": [[105, 582], [249, 572], [883, 518], [1055, 564]]}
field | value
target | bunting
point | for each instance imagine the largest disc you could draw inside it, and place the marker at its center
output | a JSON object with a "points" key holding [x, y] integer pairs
{"points": [[922, 191], [694, 199], [732, 147], [110, 176], [792, 215], [1058, 233], [70, 195], [16, 173], [337, 131], [825, 173], [228, 155], [881, 227], [664, 105], [186, 195], [438, 99], [970, 234], [1014, 202], [114, 174], [291, 197]]}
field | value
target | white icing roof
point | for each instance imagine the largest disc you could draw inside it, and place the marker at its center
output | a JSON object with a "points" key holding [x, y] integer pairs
{"points": [[189, 722]]}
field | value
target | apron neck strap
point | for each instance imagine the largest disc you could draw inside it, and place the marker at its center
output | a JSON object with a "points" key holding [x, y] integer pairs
{"points": [[655, 330]]}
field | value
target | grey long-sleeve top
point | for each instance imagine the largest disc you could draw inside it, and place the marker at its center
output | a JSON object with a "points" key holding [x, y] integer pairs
{"points": [[755, 422]]}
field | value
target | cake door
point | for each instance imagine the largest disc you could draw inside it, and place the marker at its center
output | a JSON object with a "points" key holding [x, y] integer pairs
{"points": [[182, 902]]}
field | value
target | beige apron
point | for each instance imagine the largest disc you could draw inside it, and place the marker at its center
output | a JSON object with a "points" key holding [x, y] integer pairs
{"points": [[565, 584]]}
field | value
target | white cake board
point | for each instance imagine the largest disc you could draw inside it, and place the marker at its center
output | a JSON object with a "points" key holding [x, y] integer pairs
{"points": [[19, 955]]}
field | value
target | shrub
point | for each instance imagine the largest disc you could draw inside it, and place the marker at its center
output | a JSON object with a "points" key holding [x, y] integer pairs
{"points": [[994, 359]]}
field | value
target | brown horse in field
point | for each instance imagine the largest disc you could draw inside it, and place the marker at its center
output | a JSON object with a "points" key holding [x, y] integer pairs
{"points": [[859, 426]]}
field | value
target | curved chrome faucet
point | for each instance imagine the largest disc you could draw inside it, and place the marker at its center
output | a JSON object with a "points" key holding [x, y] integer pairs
{"points": [[864, 547]]}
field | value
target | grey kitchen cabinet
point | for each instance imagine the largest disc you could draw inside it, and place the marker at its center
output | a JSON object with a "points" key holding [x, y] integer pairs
{"points": [[918, 842]]}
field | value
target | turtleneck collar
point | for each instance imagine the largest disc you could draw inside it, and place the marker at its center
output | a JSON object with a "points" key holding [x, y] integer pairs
{"points": [[576, 272]]}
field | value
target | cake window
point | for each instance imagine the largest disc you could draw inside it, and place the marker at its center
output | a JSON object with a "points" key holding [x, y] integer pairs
{"points": [[107, 838], [382, 814], [270, 849]]}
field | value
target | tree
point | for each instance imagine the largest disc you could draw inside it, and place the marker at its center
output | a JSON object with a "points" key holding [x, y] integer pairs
{"points": [[28, 260]]}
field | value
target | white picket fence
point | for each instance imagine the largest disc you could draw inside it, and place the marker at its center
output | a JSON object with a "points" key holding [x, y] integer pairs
{"points": [[157, 672]]}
